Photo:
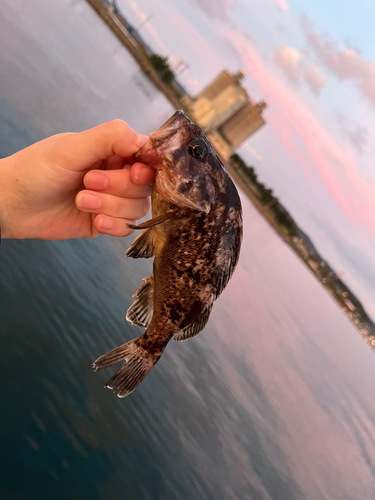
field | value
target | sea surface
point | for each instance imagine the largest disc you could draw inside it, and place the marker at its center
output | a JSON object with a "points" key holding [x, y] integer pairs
{"points": [[274, 400]]}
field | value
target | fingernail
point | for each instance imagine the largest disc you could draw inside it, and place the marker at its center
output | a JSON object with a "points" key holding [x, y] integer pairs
{"points": [[94, 180], [89, 201], [106, 224]]}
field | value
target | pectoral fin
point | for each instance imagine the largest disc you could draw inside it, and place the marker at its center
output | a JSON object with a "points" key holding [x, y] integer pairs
{"points": [[142, 246], [195, 327], [156, 220]]}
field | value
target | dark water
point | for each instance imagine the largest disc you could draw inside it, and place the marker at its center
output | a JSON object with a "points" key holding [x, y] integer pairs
{"points": [[275, 400]]}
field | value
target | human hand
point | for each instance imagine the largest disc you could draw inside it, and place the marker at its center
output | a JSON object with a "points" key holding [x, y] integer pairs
{"points": [[42, 191]]}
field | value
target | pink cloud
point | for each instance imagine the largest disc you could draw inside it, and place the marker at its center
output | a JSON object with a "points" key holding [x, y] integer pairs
{"points": [[357, 134], [314, 78], [217, 8], [296, 125], [294, 67], [290, 61], [346, 64], [283, 5]]}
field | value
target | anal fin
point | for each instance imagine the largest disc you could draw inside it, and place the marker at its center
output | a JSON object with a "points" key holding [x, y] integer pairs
{"points": [[196, 326], [142, 247], [141, 311]]}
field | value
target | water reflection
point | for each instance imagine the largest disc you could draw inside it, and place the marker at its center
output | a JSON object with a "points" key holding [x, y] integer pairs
{"points": [[271, 401]]}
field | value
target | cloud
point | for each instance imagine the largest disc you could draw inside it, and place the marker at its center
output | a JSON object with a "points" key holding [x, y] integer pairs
{"points": [[290, 61], [217, 9], [309, 143], [293, 66], [283, 5], [314, 78], [345, 64], [356, 134], [358, 137]]}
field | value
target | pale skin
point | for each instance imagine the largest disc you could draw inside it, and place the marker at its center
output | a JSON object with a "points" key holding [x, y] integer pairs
{"points": [[75, 185]]}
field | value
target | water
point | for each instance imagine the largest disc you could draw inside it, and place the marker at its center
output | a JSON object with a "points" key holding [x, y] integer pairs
{"points": [[274, 400]]}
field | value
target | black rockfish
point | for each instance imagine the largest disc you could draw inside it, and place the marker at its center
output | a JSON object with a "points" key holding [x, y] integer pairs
{"points": [[194, 236]]}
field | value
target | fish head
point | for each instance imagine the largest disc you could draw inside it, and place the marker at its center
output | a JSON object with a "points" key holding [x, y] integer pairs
{"points": [[186, 163]]}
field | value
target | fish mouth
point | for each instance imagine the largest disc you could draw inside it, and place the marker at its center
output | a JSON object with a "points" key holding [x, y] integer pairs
{"points": [[167, 138], [159, 152], [149, 156]]}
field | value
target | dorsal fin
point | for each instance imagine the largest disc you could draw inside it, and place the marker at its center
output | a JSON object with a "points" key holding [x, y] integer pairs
{"points": [[141, 311], [227, 271], [195, 327], [228, 252]]}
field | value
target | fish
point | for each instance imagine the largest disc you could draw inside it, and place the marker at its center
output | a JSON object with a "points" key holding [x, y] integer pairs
{"points": [[194, 236]]}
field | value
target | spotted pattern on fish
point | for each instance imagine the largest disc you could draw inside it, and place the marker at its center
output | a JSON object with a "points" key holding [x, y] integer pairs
{"points": [[195, 237]]}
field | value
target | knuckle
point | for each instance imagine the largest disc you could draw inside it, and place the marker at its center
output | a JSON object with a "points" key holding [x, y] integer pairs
{"points": [[55, 148], [118, 126]]}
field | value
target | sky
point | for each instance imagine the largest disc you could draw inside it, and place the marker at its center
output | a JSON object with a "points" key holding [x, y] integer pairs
{"points": [[314, 64]]}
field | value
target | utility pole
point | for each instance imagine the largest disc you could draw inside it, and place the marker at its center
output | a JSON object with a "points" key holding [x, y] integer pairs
{"points": [[144, 22], [180, 67], [184, 67]]}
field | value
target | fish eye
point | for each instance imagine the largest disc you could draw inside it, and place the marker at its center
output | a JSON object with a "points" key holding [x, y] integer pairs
{"points": [[198, 149]]}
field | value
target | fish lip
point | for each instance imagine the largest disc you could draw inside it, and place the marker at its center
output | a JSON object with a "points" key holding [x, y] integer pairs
{"points": [[149, 155], [155, 155], [155, 152], [150, 158]]}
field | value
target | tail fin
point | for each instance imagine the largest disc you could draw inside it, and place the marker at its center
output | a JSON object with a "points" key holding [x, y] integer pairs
{"points": [[139, 361]]}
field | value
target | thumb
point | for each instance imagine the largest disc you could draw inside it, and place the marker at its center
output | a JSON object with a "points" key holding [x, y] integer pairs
{"points": [[82, 150]]}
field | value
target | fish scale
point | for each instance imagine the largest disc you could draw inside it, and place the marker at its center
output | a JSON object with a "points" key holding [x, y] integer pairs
{"points": [[194, 236]]}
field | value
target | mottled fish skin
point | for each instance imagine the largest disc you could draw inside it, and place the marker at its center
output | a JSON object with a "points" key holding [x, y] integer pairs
{"points": [[195, 243]]}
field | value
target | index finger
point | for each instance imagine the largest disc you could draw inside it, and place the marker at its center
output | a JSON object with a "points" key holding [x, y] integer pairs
{"points": [[80, 151], [141, 174], [116, 182]]}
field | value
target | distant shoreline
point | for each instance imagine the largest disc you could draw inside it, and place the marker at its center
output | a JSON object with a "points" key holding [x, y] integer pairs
{"points": [[136, 50], [357, 316], [361, 321]]}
